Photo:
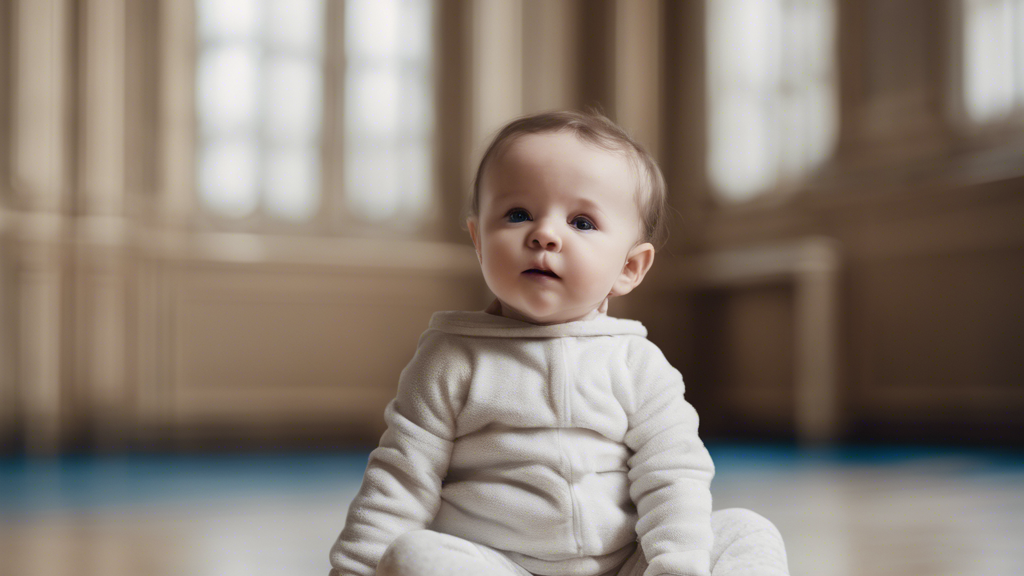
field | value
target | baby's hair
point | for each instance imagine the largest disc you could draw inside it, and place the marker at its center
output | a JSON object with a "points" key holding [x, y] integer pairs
{"points": [[592, 128]]}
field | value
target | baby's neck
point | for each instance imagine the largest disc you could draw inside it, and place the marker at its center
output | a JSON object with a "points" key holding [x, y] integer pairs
{"points": [[498, 309]]}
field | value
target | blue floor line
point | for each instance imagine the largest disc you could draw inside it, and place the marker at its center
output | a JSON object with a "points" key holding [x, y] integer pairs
{"points": [[743, 456], [81, 483], [89, 482]]}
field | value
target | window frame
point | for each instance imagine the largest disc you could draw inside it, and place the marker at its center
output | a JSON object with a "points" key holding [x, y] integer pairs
{"points": [[180, 203], [783, 185]]}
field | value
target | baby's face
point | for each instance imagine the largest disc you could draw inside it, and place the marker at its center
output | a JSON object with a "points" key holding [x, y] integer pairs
{"points": [[558, 222]]}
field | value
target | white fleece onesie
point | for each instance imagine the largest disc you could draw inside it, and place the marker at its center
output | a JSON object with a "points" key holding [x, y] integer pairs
{"points": [[557, 445]]}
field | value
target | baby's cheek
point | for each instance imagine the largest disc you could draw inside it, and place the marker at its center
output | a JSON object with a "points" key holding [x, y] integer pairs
{"points": [[500, 261]]}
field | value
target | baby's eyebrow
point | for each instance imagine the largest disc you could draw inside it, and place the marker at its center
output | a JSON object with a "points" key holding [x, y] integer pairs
{"points": [[590, 205]]}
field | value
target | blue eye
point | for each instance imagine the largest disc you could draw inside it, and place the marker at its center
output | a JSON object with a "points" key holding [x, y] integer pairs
{"points": [[581, 223], [517, 215]]}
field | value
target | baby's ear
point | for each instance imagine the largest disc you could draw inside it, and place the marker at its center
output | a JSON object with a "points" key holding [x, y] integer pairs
{"points": [[638, 262], [473, 233]]}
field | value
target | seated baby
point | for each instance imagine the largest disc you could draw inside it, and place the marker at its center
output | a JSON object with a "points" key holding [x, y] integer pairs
{"points": [[542, 436]]}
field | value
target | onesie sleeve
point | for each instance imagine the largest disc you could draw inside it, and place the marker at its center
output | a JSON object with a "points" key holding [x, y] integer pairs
{"points": [[402, 484], [670, 470]]}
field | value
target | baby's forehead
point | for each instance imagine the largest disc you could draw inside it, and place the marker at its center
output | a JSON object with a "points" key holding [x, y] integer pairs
{"points": [[540, 143], [561, 152]]}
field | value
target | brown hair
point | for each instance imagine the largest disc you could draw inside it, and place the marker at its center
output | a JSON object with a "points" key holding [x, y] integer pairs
{"points": [[592, 128]]}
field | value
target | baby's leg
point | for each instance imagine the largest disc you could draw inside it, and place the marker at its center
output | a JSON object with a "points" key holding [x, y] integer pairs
{"points": [[746, 544], [429, 553]]}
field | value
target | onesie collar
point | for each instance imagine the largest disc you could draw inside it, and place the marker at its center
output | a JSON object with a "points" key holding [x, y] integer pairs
{"points": [[489, 325]]}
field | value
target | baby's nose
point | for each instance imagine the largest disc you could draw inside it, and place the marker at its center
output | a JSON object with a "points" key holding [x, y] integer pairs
{"points": [[544, 237]]}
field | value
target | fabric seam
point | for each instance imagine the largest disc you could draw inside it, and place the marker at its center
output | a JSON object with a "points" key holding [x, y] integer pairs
{"points": [[567, 414]]}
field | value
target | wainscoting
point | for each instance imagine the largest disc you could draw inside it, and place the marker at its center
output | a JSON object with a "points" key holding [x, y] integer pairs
{"points": [[218, 339]]}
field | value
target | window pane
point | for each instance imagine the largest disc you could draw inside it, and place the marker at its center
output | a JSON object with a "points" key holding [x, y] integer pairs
{"points": [[771, 97], [259, 102], [386, 179], [416, 159], [372, 28], [744, 41], [822, 125], [294, 99], [417, 103], [819, 18], [228, 177], [372, 181], [229, 19], [415, 26], [372, 101], [792, 120], [293, 182], [741, 162], [1018, 63], [989, 29], [297, 25], [389, 108], [227, 88]]}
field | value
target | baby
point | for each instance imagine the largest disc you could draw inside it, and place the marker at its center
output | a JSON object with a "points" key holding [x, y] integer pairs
{"points": [[542, 436]]}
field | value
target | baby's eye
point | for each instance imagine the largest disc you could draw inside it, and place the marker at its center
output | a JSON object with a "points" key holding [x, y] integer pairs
{"points": [[517, 215], [581, 223]]}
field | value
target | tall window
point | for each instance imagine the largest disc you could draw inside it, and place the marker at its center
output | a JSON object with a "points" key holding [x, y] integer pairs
{"points": [[771, 92], [993, 58], [389, 118], [260, 103]]}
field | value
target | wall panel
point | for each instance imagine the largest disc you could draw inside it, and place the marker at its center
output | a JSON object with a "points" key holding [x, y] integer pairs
{"points": [[40, 119], [276, 350], [7, 392], [39, 292], [941, 333]]}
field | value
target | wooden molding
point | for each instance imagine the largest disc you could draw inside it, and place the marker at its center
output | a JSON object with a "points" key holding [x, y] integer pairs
{"points": [[811, 266]]}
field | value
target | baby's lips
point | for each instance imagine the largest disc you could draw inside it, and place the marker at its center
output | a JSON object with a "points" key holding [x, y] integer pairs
{"points": [[542, 272]]}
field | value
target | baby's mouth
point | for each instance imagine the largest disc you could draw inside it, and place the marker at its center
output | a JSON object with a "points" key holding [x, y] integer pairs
{"points": [[540, 272]]}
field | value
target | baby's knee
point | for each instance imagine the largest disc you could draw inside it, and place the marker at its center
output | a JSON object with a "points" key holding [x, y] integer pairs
{"points": [[409, 553], [734, 523], [746, 543]]}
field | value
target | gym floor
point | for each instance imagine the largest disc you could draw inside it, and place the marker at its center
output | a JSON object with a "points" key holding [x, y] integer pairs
{"points": [[850, 511]]}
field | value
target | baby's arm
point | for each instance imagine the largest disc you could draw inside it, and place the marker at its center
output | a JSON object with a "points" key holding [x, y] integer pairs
{"points": [[670, 470], [402, 484]]}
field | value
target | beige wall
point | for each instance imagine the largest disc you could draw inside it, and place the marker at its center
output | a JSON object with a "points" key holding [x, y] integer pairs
{"points": [[878, 299], [903, 253]]}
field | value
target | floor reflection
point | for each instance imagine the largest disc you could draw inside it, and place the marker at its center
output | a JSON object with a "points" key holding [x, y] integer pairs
{"points": [[846, 512]]}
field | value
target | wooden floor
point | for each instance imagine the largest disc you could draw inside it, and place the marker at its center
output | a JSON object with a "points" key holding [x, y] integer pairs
{"points": [[870, 512]]}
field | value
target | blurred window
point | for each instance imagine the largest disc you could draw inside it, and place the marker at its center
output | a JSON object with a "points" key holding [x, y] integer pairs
{"points": [[261, 107], [772, 103], [389, 109], [993, 56], [259, 99]]}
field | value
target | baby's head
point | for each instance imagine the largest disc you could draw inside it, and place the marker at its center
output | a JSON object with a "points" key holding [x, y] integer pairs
{"points": [[566, 211]]}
